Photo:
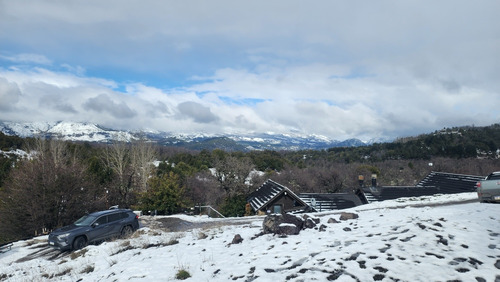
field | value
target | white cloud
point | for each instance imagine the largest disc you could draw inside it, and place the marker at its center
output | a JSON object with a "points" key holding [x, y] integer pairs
{"points": [[341, 69], [27, 58]]}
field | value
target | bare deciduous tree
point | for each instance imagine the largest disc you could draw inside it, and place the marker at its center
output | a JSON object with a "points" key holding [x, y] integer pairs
{"points": [[51, 190], [143, 153]]}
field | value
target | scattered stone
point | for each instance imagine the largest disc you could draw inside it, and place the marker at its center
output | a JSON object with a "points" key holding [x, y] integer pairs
{"points": [[303, 270], [474, 261], [354, 256], [237, 239], [464, 246], [257, 235], [480, 279], [438, 224], [421, 225], [378, 277], [491, 246], [497, 264], [380, 269], [335, 275], [384, 249], [347, 229], [442, 241], [433, 254], [462, 270], [269, 270], [332, 220], [322, 228], [407, 238], [348, 215]]}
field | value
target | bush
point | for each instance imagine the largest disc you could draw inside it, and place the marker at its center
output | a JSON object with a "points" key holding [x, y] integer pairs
{"points": [[182, 274], [233, 206]]}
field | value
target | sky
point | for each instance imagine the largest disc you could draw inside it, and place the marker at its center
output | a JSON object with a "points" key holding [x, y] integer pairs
{"points": [[457, 242], [341, 69]]}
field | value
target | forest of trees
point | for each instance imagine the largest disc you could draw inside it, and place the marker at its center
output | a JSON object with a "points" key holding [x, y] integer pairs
{"points": [[58, 181]]}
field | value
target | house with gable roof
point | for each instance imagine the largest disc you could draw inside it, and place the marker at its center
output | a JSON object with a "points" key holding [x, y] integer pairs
{"points": [[272, 197]]}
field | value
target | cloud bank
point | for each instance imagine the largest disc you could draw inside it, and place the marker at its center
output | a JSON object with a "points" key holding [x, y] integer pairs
{"points": [[355, 69]]}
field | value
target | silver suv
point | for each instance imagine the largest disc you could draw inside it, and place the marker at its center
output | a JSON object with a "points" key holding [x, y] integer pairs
{"points": [[94, 227]]}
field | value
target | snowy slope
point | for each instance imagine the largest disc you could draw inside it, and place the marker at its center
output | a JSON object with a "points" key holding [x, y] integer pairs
{"points": [[388, 242]]}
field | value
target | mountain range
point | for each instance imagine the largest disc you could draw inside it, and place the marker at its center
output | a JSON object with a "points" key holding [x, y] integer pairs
{"points": [[89, 132]]}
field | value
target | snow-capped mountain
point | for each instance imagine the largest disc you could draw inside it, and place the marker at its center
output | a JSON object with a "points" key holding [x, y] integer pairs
{"points": [[88, 132]]}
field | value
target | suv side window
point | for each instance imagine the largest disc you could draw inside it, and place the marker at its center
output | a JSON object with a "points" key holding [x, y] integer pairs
{"points": [[494, 177], [115, 216], [102, 220]]}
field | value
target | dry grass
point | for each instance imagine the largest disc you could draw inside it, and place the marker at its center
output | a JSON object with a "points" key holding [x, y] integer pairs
{"points": [[64, 272], [76, 254], [34, 242], [88, 269]]}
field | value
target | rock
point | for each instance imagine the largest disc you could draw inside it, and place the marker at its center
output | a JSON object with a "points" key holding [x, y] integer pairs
{"points": [[237, 239], [348, 215], [322, 228], [333, 220], [314, 219], [347, 229], [309, 223], [288, 229], [283, 224]]}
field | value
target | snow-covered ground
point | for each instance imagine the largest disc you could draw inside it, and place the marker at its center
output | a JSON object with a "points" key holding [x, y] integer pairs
{"points": [[390, 241]]}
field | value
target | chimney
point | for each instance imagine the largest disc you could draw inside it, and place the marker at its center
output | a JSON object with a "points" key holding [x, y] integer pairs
{"points": [[361, 180], [374, 180]]}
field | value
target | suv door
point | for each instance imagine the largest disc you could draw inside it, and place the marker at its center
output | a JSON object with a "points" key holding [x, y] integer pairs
{"points": [[99, 229], [116, 222]]}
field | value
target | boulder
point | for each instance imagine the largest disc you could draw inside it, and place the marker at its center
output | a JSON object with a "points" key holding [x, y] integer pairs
{"points": [[237, 239], [309, 223], [333, 220], [348, 215], [283, 224], [288, 229]]}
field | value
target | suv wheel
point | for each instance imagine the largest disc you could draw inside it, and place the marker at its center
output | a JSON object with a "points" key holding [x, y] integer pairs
{"points": [[126, 231], [79, 243]]}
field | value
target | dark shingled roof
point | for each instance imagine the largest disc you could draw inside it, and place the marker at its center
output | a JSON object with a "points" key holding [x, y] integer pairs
{"points": [[268, 192], [383, 193], [434, 183], [451, 183], [327, 202]]}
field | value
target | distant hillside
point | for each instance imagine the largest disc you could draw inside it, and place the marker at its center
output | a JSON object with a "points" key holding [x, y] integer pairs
{"points": [[88, 132], [457, 142]]}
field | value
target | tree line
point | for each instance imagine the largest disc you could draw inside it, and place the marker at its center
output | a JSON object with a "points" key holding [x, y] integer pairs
{"points": [[59, 181]]}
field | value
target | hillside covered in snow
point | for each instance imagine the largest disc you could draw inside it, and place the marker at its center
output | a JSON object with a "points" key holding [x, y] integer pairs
{"points": [[438, 238]]}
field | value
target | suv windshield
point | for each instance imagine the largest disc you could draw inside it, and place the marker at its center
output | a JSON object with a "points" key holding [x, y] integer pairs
{"points": [[85, 220]]}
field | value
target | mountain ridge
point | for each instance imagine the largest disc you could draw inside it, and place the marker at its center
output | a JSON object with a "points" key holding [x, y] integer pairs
{"points": [[90, 132]]}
